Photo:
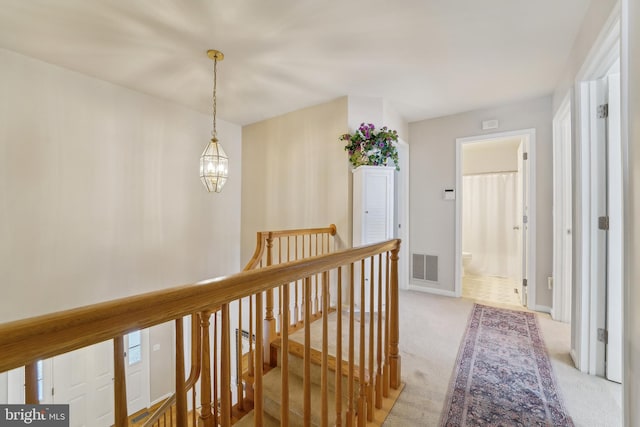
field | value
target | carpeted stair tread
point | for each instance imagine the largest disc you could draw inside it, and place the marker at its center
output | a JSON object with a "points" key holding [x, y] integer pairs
{"points": [[248, 421], [272, 399]]}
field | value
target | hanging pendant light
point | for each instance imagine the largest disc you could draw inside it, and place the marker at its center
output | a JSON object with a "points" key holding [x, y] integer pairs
{"points": [[214, 163]]}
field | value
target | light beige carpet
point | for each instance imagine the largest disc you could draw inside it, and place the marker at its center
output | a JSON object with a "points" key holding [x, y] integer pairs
{"points": [[431, 329]]}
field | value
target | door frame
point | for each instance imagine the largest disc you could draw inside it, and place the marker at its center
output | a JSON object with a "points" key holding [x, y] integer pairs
{"points": [[401, 214], [587, 314], [561, 304], [530, 134]]}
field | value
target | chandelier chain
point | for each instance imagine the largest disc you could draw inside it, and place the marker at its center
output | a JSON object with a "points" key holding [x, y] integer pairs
{"points": [[215, 80]]}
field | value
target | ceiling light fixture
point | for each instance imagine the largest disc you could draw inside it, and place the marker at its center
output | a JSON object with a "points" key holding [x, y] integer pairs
{"points": [[214, 163]]}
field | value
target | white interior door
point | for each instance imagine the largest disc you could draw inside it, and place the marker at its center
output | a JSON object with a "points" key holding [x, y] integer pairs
{"points": [[598, 210], [562, 214], [523, 190], [4, 388], [136, 346], [84, 379], [615, 243]]}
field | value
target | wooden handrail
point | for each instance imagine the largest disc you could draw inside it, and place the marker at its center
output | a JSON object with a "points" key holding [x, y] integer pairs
{"points": [[28, 340], [262, 237]]}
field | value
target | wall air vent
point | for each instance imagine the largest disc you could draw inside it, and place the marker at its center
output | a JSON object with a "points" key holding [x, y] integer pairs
{"points": [[424, 267]]}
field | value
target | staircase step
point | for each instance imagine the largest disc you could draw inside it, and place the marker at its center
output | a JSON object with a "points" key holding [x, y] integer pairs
{"points": [[273, 397], [249, 421], [296, 367]]}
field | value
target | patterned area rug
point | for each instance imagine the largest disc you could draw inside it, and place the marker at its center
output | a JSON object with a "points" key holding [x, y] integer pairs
{"points": [[503, 376]]}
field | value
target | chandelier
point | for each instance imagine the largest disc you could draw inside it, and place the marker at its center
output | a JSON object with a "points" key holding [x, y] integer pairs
{"points": [[214, 163]]}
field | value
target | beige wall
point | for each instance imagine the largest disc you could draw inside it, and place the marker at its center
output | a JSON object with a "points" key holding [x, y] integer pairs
{"points": [[433, 168], [99, 193], [296, 173], [596, 16], [631, 129]]}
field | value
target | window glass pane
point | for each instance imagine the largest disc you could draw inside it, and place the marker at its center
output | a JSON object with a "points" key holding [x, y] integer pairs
{"points": [[135, 355], [134, 339]]}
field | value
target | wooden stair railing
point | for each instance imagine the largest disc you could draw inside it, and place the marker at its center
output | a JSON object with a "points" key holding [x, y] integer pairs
{"points": [[24, 342]]}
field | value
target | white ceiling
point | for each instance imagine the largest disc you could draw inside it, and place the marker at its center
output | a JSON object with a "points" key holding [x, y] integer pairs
{"points": [[427, 58]]}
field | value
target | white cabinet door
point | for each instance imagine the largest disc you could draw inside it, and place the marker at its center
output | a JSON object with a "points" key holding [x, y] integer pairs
{"points": [[373, 208], [373, 204]]}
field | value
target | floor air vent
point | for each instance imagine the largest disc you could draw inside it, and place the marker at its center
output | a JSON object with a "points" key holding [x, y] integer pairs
{"points": [[425, 267]]}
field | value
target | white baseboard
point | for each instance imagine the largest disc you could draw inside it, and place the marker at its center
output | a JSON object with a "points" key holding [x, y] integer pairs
{"points": [[543, 309], [435, 291], [574, 358]]}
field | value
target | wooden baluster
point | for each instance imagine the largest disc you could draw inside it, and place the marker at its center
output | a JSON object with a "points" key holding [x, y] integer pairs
{"points": [[269, 320], [394, 328], [387, 365], [251, 359], [288, 303], [307, 353], [259, 362], [239, 367], [379, 340], [370, 354], [206, 418], [338, 386], [120, 383], [362, 400], [31, 384], [319, 308], [181, 393], [216, 382], [196, 364], [284, 355], [324, 378], [280, 302], [296, 308], [225, 369], [350, 381], [194, 415]]}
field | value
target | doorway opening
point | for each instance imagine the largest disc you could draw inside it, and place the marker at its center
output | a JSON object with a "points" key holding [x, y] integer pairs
{"points": [[495, 218], [598, 202]]}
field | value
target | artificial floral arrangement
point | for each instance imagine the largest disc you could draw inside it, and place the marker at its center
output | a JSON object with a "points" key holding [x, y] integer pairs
{"points": [[368, 146]]}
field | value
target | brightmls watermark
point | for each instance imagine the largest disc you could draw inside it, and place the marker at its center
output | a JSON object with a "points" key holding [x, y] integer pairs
{"points": [[34, 415]]}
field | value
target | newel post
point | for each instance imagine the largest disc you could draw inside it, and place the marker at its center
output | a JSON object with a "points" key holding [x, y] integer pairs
{"points": [[269, 320], [394, 330]]}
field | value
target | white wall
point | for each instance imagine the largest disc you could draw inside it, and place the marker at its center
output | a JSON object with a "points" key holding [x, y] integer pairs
{"points": [[100, 195], [296, 173], [433, 168], [631, 132], [592, 23]]}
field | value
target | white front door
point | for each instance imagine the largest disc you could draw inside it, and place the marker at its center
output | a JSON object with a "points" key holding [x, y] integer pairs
{"points": [[4, 388], [84, 379], [136, 346]]}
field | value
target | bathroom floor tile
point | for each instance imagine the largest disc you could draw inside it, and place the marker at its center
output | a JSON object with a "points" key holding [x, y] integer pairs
{"points": [[495, 289]]}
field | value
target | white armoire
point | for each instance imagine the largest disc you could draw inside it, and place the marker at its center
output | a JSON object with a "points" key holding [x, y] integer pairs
{"points": [[373, 210]]}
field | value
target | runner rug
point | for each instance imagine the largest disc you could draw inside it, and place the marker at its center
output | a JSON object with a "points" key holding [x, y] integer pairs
{"points": [[503, 375]]}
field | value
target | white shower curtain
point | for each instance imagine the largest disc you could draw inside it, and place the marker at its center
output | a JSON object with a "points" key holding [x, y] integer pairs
{"points": [[490, 211]]}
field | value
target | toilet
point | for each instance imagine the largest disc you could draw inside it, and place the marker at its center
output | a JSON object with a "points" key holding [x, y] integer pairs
{"points": [[466, 260]]}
